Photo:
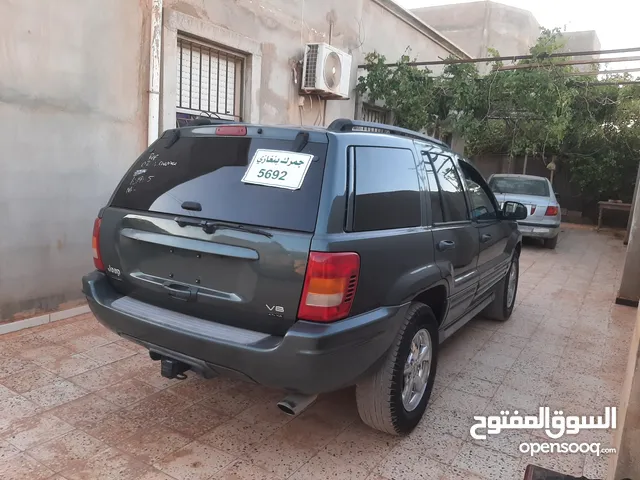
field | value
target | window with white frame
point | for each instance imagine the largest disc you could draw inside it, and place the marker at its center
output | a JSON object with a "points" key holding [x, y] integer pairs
{"points": [[209, 81]]}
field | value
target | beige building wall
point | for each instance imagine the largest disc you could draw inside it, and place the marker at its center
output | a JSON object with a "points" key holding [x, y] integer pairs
{"points": [[74, 107]]}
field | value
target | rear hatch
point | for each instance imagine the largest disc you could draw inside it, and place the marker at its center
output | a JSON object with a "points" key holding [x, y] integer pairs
{"points": [[536, 206], [184, 231], [530, 191]]}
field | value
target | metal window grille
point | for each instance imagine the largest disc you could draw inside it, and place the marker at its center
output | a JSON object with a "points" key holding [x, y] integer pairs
{"points": [[375, 114], [209, 81]]}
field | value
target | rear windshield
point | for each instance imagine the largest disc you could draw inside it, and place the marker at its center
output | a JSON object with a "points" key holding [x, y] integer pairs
{"points": [[208, 170], [520, 186]]}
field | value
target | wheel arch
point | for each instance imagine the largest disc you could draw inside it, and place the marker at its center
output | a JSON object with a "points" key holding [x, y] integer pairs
{"points": [[436, 297]]}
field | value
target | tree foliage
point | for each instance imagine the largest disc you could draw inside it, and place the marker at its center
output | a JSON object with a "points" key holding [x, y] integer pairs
{"points": [[543, 112]]}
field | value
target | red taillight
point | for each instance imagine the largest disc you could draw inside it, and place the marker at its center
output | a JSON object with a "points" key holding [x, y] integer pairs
{"points": [[552, 211], [533, 209], [329, 286], [232, 130], [95, 244]]}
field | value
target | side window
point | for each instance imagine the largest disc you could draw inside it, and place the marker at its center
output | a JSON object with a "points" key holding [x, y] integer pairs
{"points": [[454, 204], [435, 198], [482, 208], [387, 189]]}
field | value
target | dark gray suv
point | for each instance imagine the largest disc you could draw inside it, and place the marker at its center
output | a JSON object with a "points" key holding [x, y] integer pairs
{"points": [[305, 259]]}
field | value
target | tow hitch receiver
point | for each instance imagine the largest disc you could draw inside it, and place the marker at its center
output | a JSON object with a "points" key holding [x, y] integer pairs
{"points": [[170, 368]]}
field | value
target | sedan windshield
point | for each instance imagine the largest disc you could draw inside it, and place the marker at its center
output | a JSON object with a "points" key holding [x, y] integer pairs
{"points": [[520, 186]]}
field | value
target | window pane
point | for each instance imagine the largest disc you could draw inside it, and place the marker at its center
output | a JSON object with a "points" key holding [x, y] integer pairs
{"points": [[481, 205], [520, 186], [387, 189], [209, 170], [453, 201], [434, 194]]}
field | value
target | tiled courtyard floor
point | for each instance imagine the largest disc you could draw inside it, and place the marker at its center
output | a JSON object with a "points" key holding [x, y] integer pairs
{"points": [[76, 402]]}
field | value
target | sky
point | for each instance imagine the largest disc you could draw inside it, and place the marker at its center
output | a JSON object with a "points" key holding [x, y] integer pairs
{"points": [[616, 21]]}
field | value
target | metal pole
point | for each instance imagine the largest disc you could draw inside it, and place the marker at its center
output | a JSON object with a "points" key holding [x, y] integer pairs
{"points": [[633, 206], [513, 58]]}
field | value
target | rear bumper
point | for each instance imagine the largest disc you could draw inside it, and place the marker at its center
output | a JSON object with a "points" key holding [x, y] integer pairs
{"points": [[311, 358], [539, 230]]}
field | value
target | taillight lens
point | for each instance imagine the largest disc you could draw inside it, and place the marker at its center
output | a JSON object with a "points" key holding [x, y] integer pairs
{"points": [[329, 286], [552, 211], [95, 244], [232, 130], [533, 209]]}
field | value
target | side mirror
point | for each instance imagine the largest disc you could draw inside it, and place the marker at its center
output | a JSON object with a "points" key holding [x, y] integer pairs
{"points": [[514, 211]]}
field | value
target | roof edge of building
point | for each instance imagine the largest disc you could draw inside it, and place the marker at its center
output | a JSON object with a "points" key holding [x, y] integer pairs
{"points": [[420, 25]]}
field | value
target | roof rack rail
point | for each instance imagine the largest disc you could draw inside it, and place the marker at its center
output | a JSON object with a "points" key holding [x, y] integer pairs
{"points": [[348, 125]]}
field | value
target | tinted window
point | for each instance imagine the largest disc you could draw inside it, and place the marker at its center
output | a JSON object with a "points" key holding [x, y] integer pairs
{"points": [[453, 201], [520, 186], [435, 198], [208, 170], [387, 190], [482, 207]]}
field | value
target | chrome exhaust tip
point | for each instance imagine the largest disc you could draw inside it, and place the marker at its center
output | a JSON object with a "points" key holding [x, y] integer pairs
{"points": [[295, 404]]}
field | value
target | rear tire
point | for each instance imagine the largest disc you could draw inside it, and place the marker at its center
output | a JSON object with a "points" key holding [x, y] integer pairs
{"points": [[551, 242], [380, 396], [502, 306]]}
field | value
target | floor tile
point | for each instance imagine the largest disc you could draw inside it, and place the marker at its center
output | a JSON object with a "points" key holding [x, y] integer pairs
{"points": [[400, 466], [265, 416], [85, 342], [158, 406], [469, 384], [85, 412], [235, 437], [126, 392], [33, 430], [244, 470], [14, 409], [195, 421], [194, 461], [324, 466], [55, 393], [278, 457], [73, 365], [99, 378], [109, 464], [59, 453], [7, 450], [153, 444], [432, 443], [361, 445], [23, 467], [30, 379], [487, 463], [109, 353]]}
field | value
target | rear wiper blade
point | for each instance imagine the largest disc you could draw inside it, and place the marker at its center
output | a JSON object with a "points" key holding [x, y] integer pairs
{"points": [[211, 227]]}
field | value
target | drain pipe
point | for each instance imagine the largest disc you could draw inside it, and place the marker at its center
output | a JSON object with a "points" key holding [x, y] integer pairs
{"points": [[154, 71]]}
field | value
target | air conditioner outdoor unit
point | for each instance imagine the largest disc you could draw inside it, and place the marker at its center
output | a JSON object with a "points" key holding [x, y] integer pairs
{"points": [[326, 71]]}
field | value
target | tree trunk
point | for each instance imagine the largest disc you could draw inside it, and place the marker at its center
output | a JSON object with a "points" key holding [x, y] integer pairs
{"points": [[524, 167]]}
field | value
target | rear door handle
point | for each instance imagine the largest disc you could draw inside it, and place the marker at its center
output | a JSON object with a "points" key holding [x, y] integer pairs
{"points": [[446, 245], [179, 292], [484, 238]]}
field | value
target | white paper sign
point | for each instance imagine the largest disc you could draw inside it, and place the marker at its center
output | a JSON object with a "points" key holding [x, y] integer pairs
{"points": [[277, 168]]}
